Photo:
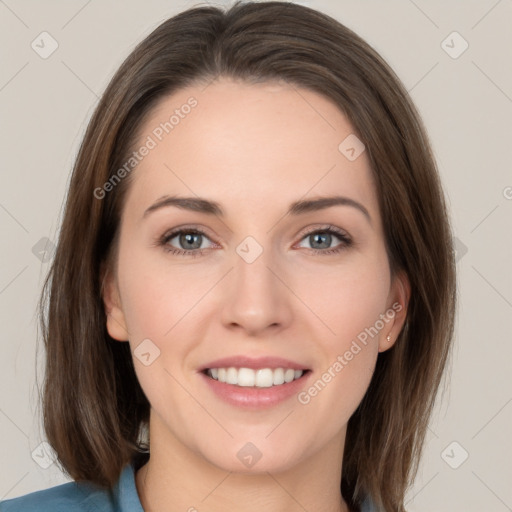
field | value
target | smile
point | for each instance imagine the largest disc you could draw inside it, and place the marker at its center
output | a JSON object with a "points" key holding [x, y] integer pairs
{"points": [[259, 378]]}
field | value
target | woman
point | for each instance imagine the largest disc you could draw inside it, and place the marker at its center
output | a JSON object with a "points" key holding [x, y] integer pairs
{"points": [[252, 299]]}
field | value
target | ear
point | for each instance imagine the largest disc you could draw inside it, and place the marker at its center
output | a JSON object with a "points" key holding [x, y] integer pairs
{"points": [[116, 322], [396, 311]]}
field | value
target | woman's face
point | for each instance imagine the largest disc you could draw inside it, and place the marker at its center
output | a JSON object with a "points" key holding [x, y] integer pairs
{"points": [[263, 270]]}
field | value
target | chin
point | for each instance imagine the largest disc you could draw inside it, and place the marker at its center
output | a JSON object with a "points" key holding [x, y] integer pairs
{"points": [[253, 457]]}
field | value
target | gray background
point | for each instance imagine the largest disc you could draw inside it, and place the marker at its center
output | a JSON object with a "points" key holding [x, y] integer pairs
{"points": [[466, 103]]}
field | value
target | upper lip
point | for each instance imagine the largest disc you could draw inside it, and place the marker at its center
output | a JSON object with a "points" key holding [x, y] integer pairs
{"points": [[254, 363]]}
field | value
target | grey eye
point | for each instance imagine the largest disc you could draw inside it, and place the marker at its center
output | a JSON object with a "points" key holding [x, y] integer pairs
{"points": [[321, 240], [190, 240]]}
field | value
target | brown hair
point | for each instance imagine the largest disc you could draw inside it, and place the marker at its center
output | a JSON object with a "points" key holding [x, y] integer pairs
{"points": [[94, 408]]}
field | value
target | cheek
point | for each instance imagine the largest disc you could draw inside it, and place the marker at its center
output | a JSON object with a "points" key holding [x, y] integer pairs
{"points": [[160, 305], [347, 298], [157, 294], [349, 303]]}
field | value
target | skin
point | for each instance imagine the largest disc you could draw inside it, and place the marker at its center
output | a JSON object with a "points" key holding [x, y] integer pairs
{"points": [[254, 149]]}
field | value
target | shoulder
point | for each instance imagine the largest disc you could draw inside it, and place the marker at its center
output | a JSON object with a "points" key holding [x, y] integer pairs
{"points": [[81, 497], [68, 497], [367, 505]]}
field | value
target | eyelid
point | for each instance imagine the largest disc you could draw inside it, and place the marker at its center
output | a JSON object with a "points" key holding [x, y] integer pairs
{"points": [[344, 237], [187, 228], [165, 239], [302, 233]]}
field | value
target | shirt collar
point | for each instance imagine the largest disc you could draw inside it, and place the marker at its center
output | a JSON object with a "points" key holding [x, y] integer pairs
{"points": [[125, 491]]}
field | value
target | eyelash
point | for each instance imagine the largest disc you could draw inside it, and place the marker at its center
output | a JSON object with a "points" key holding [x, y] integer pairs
{"points": [[163, 241]]}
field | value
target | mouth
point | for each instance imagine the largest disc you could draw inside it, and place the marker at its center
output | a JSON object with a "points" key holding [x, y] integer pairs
{"points": [[255, 378], [255, 383]]}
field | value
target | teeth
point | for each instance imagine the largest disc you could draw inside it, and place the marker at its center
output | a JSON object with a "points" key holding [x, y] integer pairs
{"points": [[278, 376], [247, 377]]}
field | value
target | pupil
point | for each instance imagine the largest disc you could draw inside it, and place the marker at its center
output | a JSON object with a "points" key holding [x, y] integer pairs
{"points": [[320, 240], [190, 241]]}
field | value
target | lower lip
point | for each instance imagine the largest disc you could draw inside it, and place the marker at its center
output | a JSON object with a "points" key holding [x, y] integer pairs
{"points": [[255, 398]]}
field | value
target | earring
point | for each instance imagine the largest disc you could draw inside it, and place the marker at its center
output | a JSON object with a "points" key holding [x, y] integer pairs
{"points": [[389, 338]]}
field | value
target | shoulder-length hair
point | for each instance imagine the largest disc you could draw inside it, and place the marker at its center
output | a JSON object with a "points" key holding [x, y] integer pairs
{"points": [[94, 409]]}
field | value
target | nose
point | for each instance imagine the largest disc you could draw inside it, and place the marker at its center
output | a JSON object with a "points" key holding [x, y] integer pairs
{"points": [[256, 300]]}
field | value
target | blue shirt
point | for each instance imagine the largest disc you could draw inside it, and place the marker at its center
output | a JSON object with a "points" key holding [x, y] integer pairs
{"points": [[86, 497]]}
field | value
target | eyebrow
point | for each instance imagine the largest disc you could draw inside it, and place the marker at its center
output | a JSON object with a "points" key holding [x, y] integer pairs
{"points": [[197, 204]]}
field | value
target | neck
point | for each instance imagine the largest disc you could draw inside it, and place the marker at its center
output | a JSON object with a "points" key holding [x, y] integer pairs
{"points": [[178, 479]]}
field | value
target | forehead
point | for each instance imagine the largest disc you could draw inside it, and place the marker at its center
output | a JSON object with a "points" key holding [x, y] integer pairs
{"points": [[271, 141]]}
